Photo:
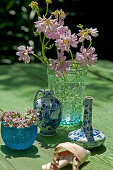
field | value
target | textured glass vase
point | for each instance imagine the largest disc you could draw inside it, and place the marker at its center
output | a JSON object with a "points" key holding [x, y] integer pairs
{"points": [[69, 91], [18, 138]]}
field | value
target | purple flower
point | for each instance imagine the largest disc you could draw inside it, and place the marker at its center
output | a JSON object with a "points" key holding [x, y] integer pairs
{"points": [[24, 53], [92, 58], [15, 119], [6, 119], [86, 56], [58, 74], [84, 34], [47, 26], [60, 65], [18, 126], [93, 32], [61, 30], [66, 40], [63, 64]]}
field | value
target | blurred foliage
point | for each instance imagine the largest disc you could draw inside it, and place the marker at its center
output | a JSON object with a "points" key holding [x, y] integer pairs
{"points": [[16, 27], [17, 24]]}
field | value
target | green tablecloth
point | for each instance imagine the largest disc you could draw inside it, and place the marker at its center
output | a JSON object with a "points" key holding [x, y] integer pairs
{"points": [[18, 85]]}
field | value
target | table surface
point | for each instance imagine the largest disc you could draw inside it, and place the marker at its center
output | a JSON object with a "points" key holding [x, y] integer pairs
{"points": [[18, 85]]}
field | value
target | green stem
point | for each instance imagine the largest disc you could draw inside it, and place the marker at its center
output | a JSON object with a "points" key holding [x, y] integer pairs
{"points": [[46, 10], [47, 43], [34, 32], [51, 46], [44, 39], [89, 46], [71, 55], [73, 64], [64, 77], [38, 58], [58, 18], [83, 43], [37, 11], [43, 52]]}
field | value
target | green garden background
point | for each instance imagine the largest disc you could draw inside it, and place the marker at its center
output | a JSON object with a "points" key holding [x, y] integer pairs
{"points": [[17, 25]]}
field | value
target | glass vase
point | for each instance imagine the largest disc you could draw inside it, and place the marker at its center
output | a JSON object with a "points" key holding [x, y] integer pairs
{"points": [[69, 91]]}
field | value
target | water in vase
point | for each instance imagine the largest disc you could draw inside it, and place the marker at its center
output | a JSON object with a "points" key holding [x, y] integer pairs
{"points": [[70, 92]]}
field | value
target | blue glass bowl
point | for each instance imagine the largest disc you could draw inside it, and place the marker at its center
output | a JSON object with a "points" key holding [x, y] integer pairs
{"points": [[18, 138]]}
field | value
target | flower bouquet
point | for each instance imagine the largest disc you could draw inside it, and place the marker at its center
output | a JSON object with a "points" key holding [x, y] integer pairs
{"points": [[65, 76], [19, 132]]}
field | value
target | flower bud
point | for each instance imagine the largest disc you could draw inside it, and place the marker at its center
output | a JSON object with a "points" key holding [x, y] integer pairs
{"points": [[34, 5], [59, 13], [48, 1], [80, 26]]}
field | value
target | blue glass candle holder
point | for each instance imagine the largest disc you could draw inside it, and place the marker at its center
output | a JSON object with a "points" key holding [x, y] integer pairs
{"points": [[18, 138]]}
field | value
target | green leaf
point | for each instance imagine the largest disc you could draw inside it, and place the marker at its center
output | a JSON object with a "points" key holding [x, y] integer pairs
{"points": [[10, 4], [5, 24]]}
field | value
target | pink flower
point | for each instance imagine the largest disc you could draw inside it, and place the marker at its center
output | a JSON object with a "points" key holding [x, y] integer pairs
{"points": [[66, 40], [86, 56], [91, 57], [15, 119], [84, 34], [93, 32], [57, 32], [58, 74], [23, 53], [63, 64], [6, 119], [60, 65], [47, 26], [19, 126], [61, 30], [41, 24], [53, 64]]}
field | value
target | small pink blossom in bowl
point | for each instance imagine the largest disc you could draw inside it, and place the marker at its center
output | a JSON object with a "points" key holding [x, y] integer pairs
{"points": [[19, 132], [15, 119]]}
